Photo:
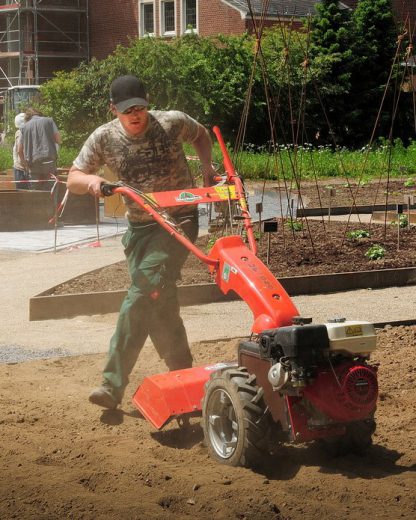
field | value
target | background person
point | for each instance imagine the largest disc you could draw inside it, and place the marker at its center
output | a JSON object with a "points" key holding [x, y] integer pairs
{"points": [[18, 167], [144, 148], [37, 149]]}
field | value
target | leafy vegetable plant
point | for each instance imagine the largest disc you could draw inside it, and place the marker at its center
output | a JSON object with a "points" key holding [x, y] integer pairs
{"points": [[403, 221], [357, 234], [375, 252], [296, 225]]}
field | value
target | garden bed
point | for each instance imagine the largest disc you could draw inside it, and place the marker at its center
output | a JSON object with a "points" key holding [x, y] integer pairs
{"points": [[325, 250], [319, 257]]}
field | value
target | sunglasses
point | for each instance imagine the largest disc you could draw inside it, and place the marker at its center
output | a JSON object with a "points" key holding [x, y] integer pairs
{"points": [[135, 108]]}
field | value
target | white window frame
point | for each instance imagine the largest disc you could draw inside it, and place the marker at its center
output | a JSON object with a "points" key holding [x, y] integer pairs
{"points": [[184, 27], [142, 32], [162, 18]]}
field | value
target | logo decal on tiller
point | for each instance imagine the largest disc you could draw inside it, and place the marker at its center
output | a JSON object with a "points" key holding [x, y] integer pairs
{"points": [[227, 269], [186, 196]]}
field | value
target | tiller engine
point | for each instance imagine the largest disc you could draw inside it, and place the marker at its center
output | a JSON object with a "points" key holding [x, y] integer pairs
{"points": [[292, 381]]}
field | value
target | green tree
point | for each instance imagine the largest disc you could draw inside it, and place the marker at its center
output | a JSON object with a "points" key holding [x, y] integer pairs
{"points": [[205, 77], [331, 53], [374, 46], [283, 52]]}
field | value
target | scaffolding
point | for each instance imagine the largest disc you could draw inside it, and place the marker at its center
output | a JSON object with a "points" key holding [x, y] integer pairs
{"points": [[39, 37]]}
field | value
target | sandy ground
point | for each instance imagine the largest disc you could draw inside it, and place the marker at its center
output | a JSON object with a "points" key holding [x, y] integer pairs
{"points": [[63, 458]]}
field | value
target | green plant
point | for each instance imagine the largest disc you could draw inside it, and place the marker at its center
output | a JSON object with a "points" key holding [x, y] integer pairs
{"points": [[409, 182], [6, 158], [296, 225], [256, 235], [375, 252], [211, 241], [66, 156], [357, 234], [403, 221]]}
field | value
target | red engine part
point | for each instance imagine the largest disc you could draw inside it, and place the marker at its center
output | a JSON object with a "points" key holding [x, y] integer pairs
{"points": [[349, 393]]}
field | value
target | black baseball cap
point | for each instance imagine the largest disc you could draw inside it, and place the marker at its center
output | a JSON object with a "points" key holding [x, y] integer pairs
{"points": [[126, 92]]}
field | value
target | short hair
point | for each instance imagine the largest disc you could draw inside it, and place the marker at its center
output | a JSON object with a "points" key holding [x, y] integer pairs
{"points": [[30, 112]]}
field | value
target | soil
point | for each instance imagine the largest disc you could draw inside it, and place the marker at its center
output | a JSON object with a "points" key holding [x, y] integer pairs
{"points": [[348, 193], [64, 458], [318, 248]]}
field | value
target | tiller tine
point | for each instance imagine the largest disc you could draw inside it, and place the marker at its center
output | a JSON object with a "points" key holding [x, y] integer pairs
{"points": [[163, 397]]}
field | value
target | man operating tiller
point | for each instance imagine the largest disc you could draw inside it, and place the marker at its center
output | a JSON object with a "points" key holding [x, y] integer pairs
{"points": [[144, 149]]}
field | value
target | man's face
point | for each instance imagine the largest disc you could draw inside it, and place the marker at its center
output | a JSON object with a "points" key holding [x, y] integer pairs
{"points": [[134, 119]]}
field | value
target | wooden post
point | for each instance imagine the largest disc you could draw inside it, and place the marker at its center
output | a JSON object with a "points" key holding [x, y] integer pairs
{"points": [[399, 211], [408, 201], [269, 227], [332, 193]]}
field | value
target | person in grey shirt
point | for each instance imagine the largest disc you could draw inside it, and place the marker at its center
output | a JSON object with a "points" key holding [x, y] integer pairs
{"points": [[38, 150]]}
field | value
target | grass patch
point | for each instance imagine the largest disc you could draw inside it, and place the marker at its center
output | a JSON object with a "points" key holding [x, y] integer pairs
{"points": [[307, 162]]}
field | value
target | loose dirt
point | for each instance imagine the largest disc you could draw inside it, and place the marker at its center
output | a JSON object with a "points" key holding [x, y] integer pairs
{"points": [[64, 458]]}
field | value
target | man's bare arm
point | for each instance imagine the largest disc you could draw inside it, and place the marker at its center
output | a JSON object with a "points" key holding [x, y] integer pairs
{"points": [[81, 183], [57, 138], [203, 147]]}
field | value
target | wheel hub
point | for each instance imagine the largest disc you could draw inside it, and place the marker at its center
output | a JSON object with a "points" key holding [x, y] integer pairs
{"points": [[222, 424]]}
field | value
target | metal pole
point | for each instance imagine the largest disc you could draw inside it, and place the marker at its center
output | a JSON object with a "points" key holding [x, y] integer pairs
{"points": [[259, 210], [97, 219], [55, 203]]}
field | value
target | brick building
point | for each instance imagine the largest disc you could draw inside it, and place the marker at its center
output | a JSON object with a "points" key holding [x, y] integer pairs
{"points": [[38, 37], [110, 26], [169, 18]]}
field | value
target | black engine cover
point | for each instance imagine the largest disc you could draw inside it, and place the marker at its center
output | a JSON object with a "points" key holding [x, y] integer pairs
{"points": [[304, 343]]}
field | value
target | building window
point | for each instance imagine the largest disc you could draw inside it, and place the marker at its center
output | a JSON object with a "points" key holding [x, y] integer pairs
{"points": [[168, 16], [147, 18], [189, 15]]}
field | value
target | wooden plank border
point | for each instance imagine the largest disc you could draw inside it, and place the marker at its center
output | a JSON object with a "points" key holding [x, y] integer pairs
{"points": [[46, 306], [344, 210]]}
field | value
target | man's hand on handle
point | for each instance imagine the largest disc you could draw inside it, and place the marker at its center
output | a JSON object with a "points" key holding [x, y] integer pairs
{"points": [[94, 185], [81, 183]]}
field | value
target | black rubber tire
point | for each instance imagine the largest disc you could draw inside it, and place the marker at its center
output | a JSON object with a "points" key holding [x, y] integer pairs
{"points": [[235, 420], [357, 439]]}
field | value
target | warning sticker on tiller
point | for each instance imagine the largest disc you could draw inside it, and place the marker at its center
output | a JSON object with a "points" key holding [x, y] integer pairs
{"points": [[354, 330]]}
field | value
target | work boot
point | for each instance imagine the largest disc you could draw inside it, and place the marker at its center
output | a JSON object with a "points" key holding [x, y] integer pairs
{"points": [[104, 396]]}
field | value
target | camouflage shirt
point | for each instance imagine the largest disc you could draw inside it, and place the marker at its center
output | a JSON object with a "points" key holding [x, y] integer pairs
{"points": [[152, 161]]}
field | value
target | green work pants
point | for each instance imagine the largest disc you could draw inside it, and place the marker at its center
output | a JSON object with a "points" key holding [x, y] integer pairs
{"points": [[151, 306]]}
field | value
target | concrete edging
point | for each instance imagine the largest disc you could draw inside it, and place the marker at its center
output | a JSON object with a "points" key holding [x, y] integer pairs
{"points": [[46, 306]]}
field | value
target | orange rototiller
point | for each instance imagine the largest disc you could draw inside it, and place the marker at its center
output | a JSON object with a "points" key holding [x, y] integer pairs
{"points": [[292, 381]]}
